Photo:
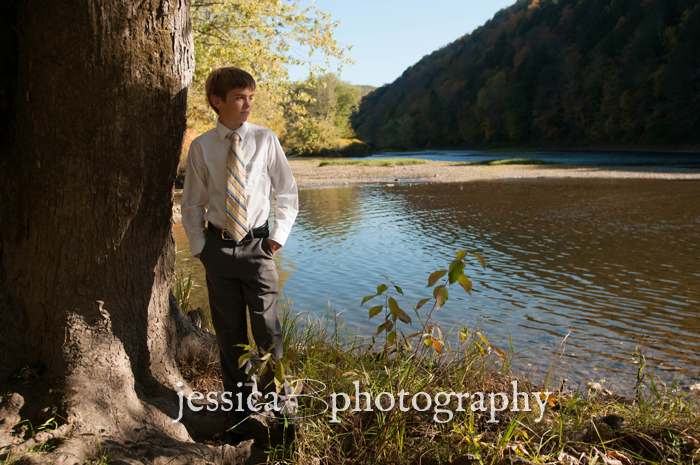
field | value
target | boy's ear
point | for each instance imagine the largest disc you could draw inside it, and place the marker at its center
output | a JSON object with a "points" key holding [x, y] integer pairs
{"points": [[216, 101]]}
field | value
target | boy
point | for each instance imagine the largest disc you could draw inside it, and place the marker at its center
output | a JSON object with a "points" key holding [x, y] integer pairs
{"points": [[230, 172]]}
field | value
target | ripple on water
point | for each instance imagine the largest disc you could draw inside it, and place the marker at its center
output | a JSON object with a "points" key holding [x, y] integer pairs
{"points": [[612, 262]]}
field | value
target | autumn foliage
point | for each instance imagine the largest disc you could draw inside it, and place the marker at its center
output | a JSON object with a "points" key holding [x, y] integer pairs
{"points": [[551, 72]]}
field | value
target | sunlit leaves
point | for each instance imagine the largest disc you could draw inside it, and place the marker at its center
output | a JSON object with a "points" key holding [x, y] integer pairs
{"points": [[403, 317], [374, 311], [369, 297], [481, 259], [264, 37], [397, 313], [279, 376], [455, 274], [490, 347], [393, 307], [434, 277], [456, 270], [465, 283], [243, 359], [440, 294]]}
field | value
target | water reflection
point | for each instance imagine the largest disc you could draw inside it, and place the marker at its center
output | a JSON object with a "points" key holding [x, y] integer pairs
{"points": [[613, 262]]}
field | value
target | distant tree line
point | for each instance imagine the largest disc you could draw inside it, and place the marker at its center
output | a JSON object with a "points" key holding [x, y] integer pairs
{"points": [[322, 117], [551, 72]]}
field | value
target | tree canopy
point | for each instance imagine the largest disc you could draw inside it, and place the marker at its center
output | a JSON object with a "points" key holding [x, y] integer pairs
{"points": [[264, 37], [551, 72], [329, 103]]}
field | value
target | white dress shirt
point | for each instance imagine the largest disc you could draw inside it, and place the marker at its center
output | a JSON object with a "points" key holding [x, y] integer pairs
{"points": [[204, 193]]}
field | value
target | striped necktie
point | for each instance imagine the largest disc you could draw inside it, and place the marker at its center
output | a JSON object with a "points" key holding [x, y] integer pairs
{"points": [[236, 203]]}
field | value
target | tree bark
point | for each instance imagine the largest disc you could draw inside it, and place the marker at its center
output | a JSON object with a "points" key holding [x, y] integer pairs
{"points": [[94, 94]]}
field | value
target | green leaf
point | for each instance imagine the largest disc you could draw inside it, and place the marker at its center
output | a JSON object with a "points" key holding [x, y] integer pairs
{"points": [[440, 293], [456, 269], [403, 317], [391, 338], [481, 260], [461, 254], [465, 283], [500, 353], [433, 278], [398, 289], [394, 308], [386, 326], [369, 297], [423, 302], [481, 349], [243, 359], [381, 289], [279, 372], [374, 311]]}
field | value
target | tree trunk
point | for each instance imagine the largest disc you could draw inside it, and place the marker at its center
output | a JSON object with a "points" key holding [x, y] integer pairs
{"points": [[93, 93]]}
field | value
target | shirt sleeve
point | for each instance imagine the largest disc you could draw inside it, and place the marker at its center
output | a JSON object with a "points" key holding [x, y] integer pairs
{"points": [[285, 192], [195, 199]]}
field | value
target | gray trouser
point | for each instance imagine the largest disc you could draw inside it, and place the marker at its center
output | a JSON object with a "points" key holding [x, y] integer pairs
{"points": [[240, 275]]}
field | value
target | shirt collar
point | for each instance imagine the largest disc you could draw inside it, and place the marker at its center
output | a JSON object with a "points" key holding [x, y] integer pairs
{"points": [[223, 131]]}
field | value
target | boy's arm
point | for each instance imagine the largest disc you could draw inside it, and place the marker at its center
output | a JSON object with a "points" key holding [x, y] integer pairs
{"points": [[286, 197], [195, 199]]}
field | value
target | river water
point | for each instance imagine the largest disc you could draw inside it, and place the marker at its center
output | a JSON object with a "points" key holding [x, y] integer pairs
{"points": [[598, 158], [612, 263]]}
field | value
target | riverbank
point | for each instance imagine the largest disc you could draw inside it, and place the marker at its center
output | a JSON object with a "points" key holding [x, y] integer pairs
{"points": [[308, 173], [417, 399]]}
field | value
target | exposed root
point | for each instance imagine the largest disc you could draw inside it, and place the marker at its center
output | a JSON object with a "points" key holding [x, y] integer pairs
{"points": [[73, 451], [192, 341], [180, 453], [39, 439], [10, 405], [88, 448]]}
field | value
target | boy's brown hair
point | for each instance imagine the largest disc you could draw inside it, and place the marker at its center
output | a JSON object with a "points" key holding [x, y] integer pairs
{"points": [[221, 80]]}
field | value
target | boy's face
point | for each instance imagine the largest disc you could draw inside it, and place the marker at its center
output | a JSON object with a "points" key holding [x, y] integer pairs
{"points": [[235, 109]]}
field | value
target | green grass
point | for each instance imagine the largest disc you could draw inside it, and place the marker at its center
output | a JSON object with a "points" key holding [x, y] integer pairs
{"points": [[516, 161], [660, 425], [374, 162], [410, 352], [654, 431]]}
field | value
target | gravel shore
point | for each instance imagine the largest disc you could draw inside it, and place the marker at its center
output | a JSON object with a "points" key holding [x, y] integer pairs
{"points": [[308, 174]]}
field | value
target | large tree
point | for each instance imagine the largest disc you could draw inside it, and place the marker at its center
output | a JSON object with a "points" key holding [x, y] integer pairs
{"points": [[93, 96]]}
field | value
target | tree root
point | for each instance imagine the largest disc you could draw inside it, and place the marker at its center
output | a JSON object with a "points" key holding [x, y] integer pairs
{"points": [[76, 450], [10, 405], [19, 450], [184, 454], [192, 341], [73, 451]]}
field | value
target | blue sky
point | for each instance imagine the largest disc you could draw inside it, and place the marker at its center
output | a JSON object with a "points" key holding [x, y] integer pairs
{"points": [[388, 36]]}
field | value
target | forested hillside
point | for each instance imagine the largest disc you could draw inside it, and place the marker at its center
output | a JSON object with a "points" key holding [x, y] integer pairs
{"points": [[551, 73]]}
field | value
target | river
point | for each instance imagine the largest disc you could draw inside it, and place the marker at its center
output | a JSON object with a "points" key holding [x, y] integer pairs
{"points": [[612, 263]]}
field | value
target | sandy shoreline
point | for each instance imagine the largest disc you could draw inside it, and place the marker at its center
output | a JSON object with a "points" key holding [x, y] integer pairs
{"points": [[308, 174]]}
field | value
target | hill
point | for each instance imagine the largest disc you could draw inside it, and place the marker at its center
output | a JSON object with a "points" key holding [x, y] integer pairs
{"points": [[551, 72]]}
